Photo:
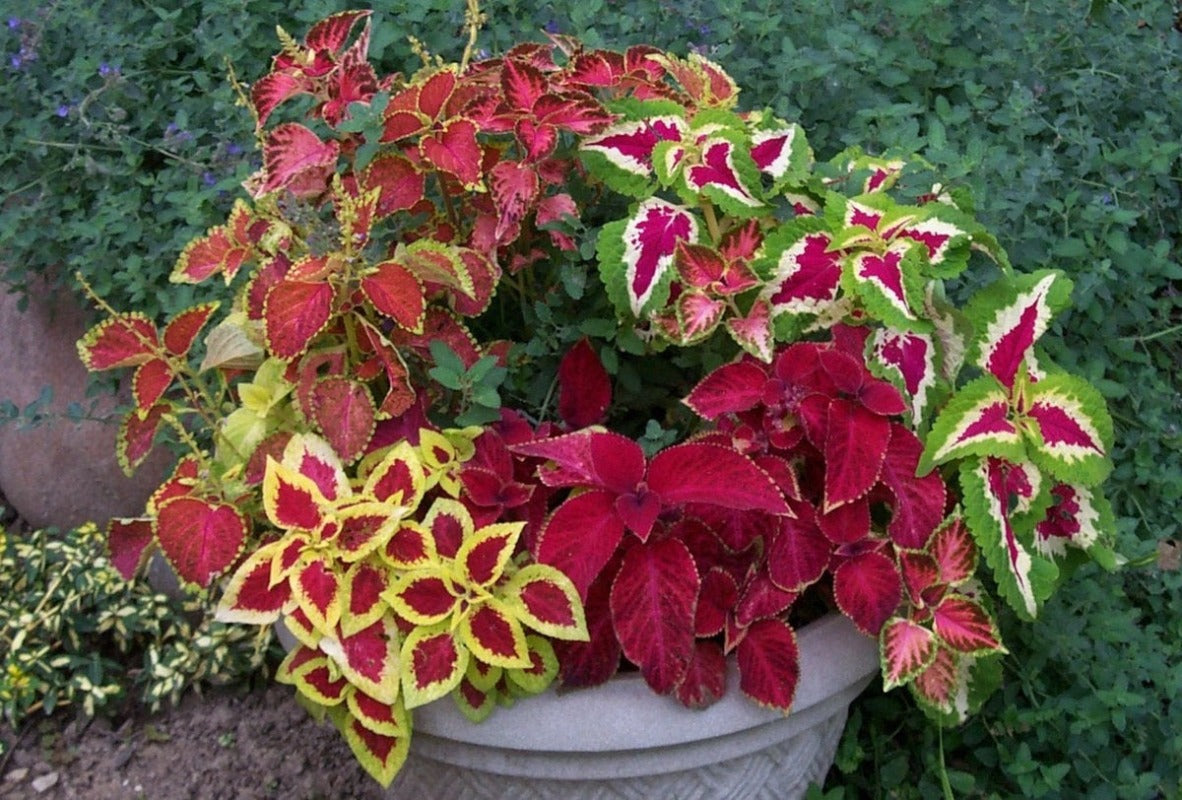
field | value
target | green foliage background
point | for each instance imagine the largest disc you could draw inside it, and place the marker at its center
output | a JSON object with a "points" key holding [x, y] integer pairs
{"points": [[120, 140]]}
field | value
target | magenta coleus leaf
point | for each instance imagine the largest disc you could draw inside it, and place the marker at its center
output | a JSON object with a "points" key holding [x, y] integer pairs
{"points": [[127, 544], [652, 604], [868, 590], [622, 154], [729, 389], [580, 537], [344, 411], [692, 473], [917, 504], [705, 680], [910, 358], [760, 599], [855, 447], [890, 284], [721, 176], [769, 664], [584, 387], [798, 554]]}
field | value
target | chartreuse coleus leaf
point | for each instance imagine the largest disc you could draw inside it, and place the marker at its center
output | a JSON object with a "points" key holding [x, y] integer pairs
{"points": [[1010, 316], [802, 271], [622, 154], [890, 284], [1070, 431], [976, 421], [380, 754]]}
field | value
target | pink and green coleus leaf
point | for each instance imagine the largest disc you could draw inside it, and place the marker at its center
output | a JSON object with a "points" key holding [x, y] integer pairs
{"points": [[965, 626], [636, 255], [945, 239], [906, 649], [1024, 579], [890, 285], [782, 153], [802, 267], [622, 154], [754, 332], [769, 664], [978, 420], [1010, 316], [954, 552], [910, 361], [653, 602], [1080, 518], [726, 175], [1074, 429]]}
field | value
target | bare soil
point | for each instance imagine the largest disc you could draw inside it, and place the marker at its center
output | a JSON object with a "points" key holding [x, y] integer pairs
{"points": [[225, 745]]}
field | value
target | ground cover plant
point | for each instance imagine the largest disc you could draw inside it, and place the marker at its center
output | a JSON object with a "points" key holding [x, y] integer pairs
{"points": [[1040, 109]]}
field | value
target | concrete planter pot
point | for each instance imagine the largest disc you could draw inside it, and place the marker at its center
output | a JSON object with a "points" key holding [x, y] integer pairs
{"points": [[622, 741]]}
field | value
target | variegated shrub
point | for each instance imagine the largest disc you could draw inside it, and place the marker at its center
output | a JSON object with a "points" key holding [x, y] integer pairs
{"points": [[415, 437]]}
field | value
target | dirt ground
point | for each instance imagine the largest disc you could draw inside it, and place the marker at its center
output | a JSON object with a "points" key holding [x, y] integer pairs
{"points": [[226, 745]]}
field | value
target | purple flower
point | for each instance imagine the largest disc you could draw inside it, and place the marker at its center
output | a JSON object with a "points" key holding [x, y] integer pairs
{"points": [[106, 69], [16, 62], [552, 26], [234, 149], [13, 23], [208, 179], [63, 110]]}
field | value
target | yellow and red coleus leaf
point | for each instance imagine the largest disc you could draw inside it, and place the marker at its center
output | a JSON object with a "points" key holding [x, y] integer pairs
{"points": [[317, 590], [452, 148], [292, 500], [315, 459], [868, 590], [128, 544], [398, 477], [369, 659], [308, 670], [546, 600], [150, 381], [1074, 429], [425, 596], [294, 312], [402, 184], [388, 719], [124, 340], [362, 603], [410, 546], [200, 537], [769, 664], [483, 554], [379, 754], [365, 527], [181, 331], [653, 601], [252, 596], [978, 420], [493, 634], [433, 663], [906, 649], [541, 671], [1010, 316]]}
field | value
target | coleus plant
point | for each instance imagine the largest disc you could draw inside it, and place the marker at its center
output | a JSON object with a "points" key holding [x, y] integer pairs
{"points": [[556, 363]]}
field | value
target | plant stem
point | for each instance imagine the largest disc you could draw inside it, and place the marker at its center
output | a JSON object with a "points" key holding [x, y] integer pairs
{"points": [[711, 220], [474, 20]]}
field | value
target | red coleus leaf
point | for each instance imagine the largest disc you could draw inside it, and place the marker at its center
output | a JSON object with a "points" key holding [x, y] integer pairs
{"points": [[692, 473], [181, 331], [705, 680], [965, 626], [769, 664], [651, 237], [855, 448], [402, 185], [847, 523], [868, 589], [200, 538], [592, 662], [907, 649], [917, 505], [345, 413], [396, 292], [317, 588], [453, 149], [921, 577], [270, 91], [728, 390], [798, 554], [220, 250], [292, 152], [760, 599], [718, 596], [584, 387], [125, 340], [580, 537], [330, 34], [514, 192], [295, 311], [127, 544], [652, 602], [151, 380]]}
